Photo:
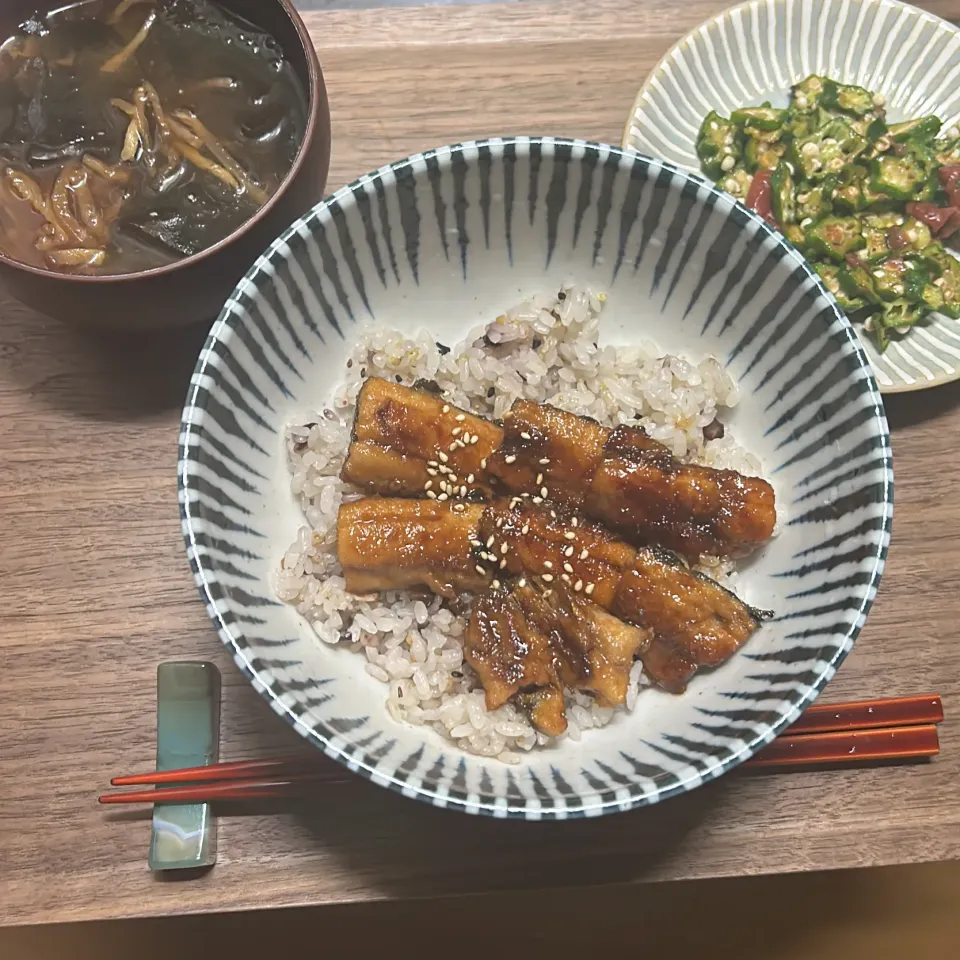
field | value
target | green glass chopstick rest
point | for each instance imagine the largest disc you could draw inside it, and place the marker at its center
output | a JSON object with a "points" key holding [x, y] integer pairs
{"points": [[184, 835]]}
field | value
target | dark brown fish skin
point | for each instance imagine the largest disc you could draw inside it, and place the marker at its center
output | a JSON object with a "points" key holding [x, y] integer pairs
{"points": [[508, 653], [701, 621], [631, 483], [620, 477], [691, 509], [528, 642], [394, 544], [668, 667], [593, 649], [546, 709], [399, 431]]}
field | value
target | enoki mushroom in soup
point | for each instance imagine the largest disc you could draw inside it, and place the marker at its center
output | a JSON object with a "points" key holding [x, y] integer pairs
{"points": [[134, 133]]}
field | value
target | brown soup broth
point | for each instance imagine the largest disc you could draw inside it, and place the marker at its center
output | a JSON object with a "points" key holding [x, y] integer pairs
{"points": [[134, 133]]}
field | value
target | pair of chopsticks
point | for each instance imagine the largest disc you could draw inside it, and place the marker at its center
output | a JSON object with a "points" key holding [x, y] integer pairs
{"points": [[902, 728]]}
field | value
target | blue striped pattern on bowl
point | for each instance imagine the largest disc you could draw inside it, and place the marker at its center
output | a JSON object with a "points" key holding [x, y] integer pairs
{"points": [[460, 233], [756, 51]]}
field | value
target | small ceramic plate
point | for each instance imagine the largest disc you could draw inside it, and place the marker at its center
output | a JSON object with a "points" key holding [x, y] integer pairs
{"points": [[756, 51], [451, 238]]}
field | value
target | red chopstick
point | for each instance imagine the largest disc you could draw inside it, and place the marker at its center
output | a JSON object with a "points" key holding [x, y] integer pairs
{"points": [[849, 746], [278, 768], [228, 790], [868, 714], [899, 728]]}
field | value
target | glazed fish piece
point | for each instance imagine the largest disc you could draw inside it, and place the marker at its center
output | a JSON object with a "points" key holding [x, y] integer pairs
{"points": [[550, 541], [512, 656], [545, 448], [696, 622], [546, 709], [632, 483], [529, 642], [593, 649], [667, 667], [700, 621], [407, 441], [642, 488], [394, 544]]}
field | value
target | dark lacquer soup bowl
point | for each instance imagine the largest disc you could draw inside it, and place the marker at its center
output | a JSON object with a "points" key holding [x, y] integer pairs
{"points": [[191, 289]]}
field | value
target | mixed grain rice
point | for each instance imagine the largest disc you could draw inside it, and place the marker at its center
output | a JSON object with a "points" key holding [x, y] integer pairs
{"points": [[545, 349]]}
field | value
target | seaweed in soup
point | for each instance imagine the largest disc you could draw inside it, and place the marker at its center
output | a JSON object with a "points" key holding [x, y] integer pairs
{"points": [[138, 132]]}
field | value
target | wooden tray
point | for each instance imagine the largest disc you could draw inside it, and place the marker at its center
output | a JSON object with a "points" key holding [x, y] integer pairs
{"points": [[96, 591]]}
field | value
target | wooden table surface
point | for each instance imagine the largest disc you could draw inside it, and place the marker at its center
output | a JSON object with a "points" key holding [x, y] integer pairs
{"points": [[95, 590]]}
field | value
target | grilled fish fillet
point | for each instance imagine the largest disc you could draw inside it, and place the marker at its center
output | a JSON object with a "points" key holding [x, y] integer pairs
{"points": [[394, 544], [512, 656], [593, 649], [631, 483], [387, 544], [528, 642], [408, 442]]}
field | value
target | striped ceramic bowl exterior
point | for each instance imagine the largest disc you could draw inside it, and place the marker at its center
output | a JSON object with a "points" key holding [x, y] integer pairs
{"points": [[444, 239], [756, 51]]}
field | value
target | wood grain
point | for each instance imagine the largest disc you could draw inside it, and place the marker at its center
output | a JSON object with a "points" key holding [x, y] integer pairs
{"points": [[96, 590]]}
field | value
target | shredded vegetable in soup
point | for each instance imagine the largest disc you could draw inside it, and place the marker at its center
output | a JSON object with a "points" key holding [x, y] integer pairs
{"points": [[134, 133]]}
